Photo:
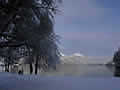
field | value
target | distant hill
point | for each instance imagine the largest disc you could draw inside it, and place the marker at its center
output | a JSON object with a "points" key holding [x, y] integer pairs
{"points": [[110, 63], [78, 58]]}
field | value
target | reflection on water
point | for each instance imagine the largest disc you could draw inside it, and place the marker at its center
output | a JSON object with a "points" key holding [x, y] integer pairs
{"points": [[92, 70]]}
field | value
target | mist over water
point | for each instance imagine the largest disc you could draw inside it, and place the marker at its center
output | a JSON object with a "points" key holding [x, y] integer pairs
{"points": [[82, 70]]}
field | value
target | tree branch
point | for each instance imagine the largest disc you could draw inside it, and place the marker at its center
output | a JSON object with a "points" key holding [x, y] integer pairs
{"points": [[11, 44]]}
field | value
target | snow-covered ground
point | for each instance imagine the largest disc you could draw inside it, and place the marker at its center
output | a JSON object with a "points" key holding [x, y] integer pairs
{"points": [[15, 82]]}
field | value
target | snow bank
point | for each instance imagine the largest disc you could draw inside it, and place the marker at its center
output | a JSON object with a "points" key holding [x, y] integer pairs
{"points": [[58, 83]]}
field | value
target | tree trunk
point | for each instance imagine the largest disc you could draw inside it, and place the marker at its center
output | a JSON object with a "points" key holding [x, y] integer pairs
{"points": [[31, 68], [8, 67], [5, 67], [36, 65]]}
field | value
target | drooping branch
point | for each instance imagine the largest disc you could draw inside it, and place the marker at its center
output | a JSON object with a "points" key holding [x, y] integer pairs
{"points": [[33, 22], [5, 34], [11, 44]]}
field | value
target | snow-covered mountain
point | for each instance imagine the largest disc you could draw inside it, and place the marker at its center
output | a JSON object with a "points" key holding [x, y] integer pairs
{"points": [[78, 55], [78, 58]]}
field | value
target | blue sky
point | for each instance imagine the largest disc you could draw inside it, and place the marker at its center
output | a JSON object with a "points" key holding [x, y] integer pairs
{"points": [[90, 27]]}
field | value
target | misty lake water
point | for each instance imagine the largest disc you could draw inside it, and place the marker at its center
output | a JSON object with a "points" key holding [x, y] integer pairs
{"points": [[82, 70]]}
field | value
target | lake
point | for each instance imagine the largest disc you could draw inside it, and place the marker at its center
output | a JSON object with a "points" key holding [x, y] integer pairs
{"points": [[82, 70]]}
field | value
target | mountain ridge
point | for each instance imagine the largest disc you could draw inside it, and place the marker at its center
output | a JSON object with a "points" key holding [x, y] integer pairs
{"points": [[77, 58]]}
